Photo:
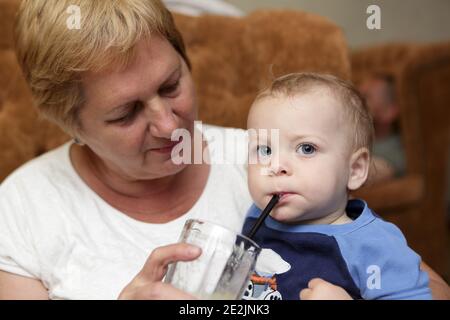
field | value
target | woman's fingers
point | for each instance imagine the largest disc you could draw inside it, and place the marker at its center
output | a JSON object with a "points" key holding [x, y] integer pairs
{"points": [[317, 282], [154, 291], [305, 294], [156, 265], [147, 284], [164, 291], [308, 293], [319, 289]]}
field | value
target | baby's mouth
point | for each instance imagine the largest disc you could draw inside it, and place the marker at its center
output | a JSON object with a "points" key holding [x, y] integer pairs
{"points": [[283, 194]]}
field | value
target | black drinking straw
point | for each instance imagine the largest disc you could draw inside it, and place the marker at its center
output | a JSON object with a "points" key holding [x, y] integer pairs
{"points": [[263, 215]]}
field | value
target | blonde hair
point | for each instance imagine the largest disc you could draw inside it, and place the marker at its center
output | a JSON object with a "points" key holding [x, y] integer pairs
{"points": [[353, 103], [54, 56]]}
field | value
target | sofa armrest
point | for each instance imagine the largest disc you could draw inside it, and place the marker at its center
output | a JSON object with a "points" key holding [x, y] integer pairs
{"points": [[393, 194]]}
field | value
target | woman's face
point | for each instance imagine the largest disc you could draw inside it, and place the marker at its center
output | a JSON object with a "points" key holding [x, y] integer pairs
{"points": [[129, 115]]}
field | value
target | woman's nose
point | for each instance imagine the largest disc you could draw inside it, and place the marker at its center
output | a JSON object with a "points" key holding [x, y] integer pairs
{"points": [[161, 118]]}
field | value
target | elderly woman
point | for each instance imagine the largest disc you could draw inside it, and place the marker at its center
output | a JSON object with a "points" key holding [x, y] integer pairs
{"points": [[97, 217]]}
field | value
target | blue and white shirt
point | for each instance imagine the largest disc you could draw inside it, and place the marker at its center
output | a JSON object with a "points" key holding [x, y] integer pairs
{"points": [[368, 257]]}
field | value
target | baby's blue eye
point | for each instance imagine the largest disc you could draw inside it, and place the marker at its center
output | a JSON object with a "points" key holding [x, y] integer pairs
{"points": [[263, 151], [306, 149]]}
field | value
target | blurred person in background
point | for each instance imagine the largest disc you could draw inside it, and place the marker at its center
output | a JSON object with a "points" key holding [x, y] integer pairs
{"points": [[388, 153]]}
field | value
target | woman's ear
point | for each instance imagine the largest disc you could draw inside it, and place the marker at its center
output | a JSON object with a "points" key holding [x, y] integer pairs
{"points": [[359, 168]]}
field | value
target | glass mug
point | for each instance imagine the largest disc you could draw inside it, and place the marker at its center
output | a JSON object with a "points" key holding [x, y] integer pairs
{"points": [[223, 269]]}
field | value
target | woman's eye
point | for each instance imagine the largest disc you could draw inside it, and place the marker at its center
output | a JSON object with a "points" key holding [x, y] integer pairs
{"points": [[170, 89], [129, 116], [306, 149], [263, 151]]}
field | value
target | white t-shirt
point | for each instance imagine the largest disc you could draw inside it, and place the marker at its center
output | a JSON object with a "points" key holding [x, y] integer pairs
{"points": [[53, 227]]}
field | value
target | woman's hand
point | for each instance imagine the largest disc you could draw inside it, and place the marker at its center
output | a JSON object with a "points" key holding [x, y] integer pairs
{"points": [[439, 288], [319, 289], [148, 285]]}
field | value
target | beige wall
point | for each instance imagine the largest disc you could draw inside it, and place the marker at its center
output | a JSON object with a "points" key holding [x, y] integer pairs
{"points": [[401, 20]]}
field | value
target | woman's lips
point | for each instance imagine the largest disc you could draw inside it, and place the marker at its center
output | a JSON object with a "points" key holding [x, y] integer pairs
{"points": [[166, 149]]}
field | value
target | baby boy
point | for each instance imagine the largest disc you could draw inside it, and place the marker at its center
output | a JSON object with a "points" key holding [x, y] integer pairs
{"points": [[321, 152]]}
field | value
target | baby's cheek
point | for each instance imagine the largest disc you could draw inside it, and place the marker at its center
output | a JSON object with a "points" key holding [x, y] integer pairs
{"points": [[327, 190], [255, 182]]}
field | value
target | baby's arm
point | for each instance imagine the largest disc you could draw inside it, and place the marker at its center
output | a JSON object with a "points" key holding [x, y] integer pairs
{"points": [[382, 265]]}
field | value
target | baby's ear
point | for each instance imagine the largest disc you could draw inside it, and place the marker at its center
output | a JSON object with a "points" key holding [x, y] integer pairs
{"points": [[359, 168]]}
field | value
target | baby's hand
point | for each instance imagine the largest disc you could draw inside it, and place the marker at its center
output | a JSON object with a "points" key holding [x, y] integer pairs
{"points": [[319, 289]]}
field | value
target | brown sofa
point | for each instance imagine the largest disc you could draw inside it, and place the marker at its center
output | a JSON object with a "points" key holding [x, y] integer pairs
{"points": [[232, 59], [417, 201]]}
